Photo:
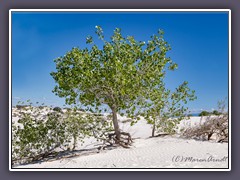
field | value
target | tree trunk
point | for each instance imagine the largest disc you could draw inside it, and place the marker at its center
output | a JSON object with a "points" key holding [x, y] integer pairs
{"points": [[115, 123], [153, 129]]}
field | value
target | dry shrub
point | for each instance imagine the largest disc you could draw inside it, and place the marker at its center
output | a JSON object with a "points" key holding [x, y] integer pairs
{"points": [[214, 127]]}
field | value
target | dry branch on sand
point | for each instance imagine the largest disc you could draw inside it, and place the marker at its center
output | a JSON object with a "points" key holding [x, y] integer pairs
{"points": [[214, 127]]}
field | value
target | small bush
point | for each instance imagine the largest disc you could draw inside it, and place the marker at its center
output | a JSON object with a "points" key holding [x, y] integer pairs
{"points": [[57, 109], [204, 113], [83, 110], [213, 126], [215, 112], [34, 139], [216, 125], [21, 106], [36, 136]]}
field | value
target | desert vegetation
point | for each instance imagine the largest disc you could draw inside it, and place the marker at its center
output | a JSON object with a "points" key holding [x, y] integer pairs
{"points": [[125, 75], [206, 113], [39, 133], [214, 127], [123, 78]]}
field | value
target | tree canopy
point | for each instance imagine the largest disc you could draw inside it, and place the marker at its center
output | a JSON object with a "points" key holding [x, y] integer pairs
{"points": [[125, 74]]}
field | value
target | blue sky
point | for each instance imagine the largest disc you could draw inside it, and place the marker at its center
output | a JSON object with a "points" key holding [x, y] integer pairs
{"points": [[199, 42]]}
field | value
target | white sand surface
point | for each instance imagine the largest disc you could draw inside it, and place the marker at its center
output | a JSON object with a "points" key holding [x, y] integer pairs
{"points": [[160, 152], [145, 152]]}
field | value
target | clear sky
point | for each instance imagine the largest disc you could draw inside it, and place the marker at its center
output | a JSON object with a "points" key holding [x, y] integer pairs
{"points": [[199, 42]]}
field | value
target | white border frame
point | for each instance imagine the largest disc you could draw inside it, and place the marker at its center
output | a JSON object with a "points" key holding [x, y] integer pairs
{"points": [[117, 10]]}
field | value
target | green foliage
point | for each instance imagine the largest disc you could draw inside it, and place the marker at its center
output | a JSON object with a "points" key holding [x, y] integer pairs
{"points": [[21, 106], [33, 136], [36, 135], [166, 109], [206, 113], [125, 74], [215, 112], [58, 109], [117, 74]]}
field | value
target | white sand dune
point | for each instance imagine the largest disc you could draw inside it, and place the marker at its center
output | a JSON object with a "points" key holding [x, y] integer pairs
{"points": [[145, 152], [161, 152]]}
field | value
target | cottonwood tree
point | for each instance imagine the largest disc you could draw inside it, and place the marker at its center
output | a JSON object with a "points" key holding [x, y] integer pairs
{"points": [[165, 109], [123, 74]]}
